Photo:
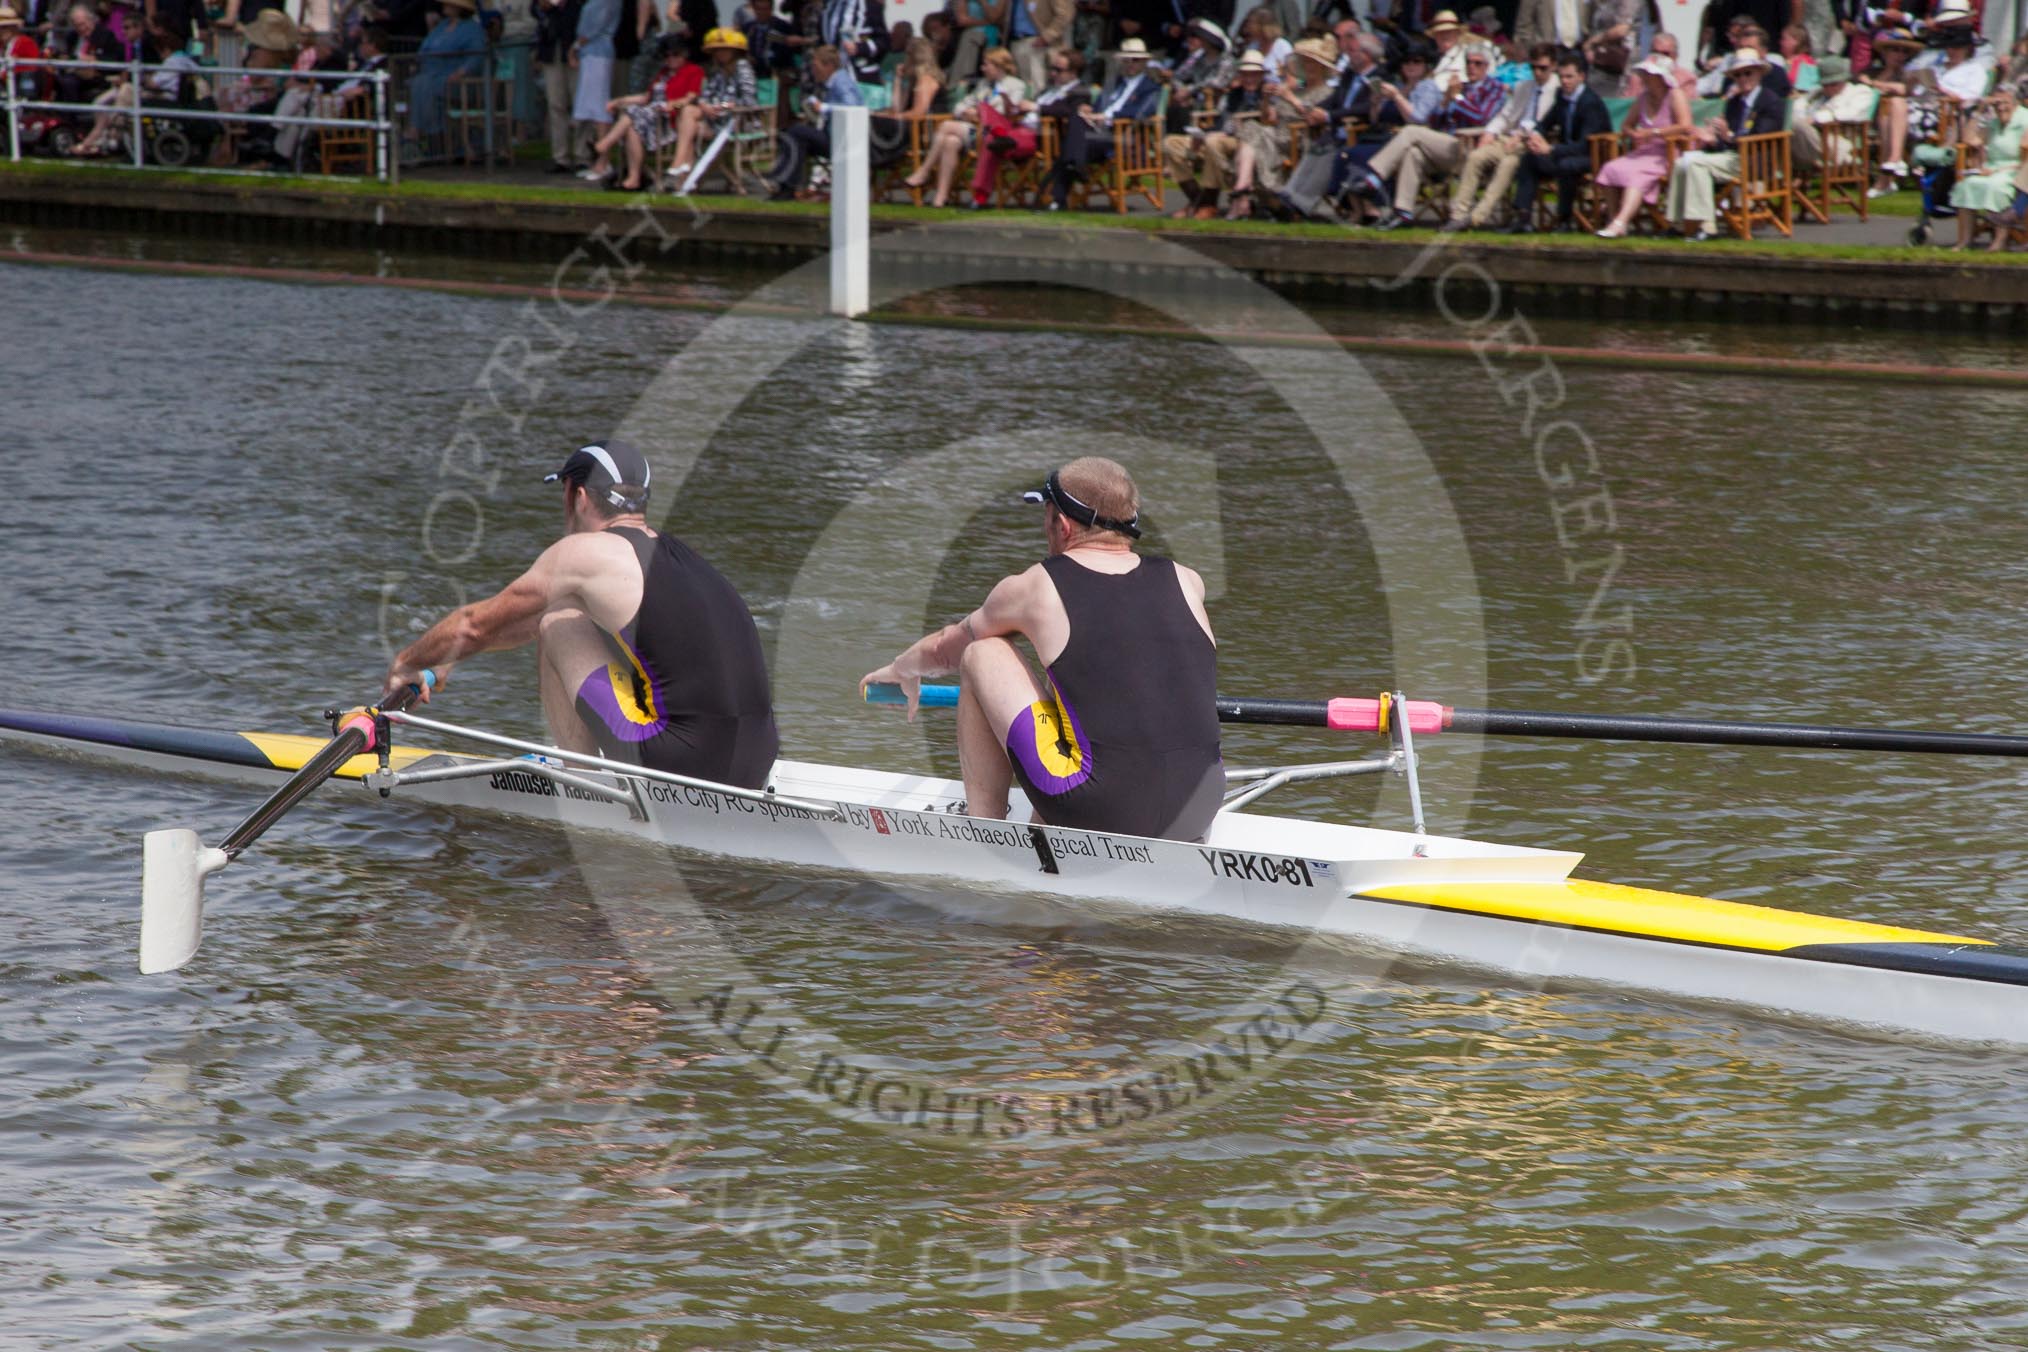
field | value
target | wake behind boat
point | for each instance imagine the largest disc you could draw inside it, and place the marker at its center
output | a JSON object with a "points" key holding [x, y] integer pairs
{"points": [[1503, 907]]}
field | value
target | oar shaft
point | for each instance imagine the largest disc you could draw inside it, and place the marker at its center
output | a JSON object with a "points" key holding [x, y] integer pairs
{"points": [[354, 737], [1725, 732]]}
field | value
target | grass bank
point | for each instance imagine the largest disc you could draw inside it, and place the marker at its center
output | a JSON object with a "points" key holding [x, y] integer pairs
{"points": [[490, 191]]}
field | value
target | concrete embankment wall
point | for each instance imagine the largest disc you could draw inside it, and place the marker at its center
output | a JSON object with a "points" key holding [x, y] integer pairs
{"points": [[1354, 268]]}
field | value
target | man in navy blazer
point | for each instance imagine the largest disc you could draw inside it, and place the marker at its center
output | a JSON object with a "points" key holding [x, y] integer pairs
{"points": [[1088, 136], [1753, 110], [1560, 146]]}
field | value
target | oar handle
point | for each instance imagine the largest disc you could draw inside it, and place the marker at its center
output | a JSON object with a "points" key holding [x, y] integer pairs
{"points": [[357, 734], [933, 696]]}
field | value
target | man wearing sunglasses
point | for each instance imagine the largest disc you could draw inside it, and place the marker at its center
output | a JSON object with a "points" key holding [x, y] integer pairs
{"points": [[1488, 171], [1434, 151], [1120, 734]]}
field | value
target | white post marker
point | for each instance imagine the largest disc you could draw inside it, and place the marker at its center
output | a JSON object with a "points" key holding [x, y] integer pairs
{"points": [[850, 197]]}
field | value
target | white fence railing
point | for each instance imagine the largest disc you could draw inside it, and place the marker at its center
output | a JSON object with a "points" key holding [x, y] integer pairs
{"points": [[386, 159]]}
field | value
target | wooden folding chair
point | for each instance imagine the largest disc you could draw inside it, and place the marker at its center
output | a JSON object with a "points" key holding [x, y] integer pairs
{"points": [[342, 149], [1586, 211], [1764, 192], [1844, 171], [1134, 166], [1021, 182], [920, 133]]}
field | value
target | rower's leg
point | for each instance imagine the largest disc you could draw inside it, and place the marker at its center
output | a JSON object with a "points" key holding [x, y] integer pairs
{"points": [[994, 686], [569, 648]]}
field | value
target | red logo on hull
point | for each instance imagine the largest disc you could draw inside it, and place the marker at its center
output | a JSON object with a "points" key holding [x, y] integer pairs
{"points": [[879, 821]]}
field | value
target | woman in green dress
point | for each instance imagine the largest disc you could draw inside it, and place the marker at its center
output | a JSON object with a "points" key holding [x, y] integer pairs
{"points": [[1997, 137]]}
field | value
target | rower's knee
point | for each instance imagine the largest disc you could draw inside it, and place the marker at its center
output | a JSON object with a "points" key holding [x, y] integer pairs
{"points": [[984, 658], [551, 628]]}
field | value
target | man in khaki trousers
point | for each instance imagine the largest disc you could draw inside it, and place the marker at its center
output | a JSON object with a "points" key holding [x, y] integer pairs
{"points": [[1488, 172], [1031, 55], [1200, 161]]}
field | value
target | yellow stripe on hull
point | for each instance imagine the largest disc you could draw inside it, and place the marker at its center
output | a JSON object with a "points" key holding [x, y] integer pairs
{"points": [[287, 751], [1661, 915]]}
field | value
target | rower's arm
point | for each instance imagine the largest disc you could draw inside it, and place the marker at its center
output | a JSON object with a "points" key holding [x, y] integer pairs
{"points": [[1005, 612], [507, 619]]}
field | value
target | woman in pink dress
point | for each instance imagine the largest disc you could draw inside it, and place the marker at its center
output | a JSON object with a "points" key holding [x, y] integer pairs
{"points": [[1637, 176]]}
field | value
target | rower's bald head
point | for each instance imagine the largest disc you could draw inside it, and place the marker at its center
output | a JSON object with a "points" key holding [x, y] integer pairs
{"points": [[1103, 485]]}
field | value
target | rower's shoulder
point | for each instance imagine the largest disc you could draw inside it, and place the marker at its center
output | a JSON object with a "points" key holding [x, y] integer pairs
{"points": [[592, 550]]}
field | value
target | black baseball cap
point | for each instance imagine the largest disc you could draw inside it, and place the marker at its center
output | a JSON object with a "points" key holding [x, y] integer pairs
{"points": [[613, 470]]}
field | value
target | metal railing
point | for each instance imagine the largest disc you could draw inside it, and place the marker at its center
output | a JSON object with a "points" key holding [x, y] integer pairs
{"points": [[386, 158]]}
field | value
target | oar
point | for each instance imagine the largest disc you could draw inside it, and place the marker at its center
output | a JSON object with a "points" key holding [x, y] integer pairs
{"points": [[174, 863], [1427, 716]]}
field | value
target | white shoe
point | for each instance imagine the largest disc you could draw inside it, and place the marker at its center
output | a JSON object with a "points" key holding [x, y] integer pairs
{"points": [[679, 171], [594, 176], [1894, 167], [1611, 232]]}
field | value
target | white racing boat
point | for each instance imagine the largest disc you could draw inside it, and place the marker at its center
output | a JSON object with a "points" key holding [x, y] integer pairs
{"points": [[1502, 907]]}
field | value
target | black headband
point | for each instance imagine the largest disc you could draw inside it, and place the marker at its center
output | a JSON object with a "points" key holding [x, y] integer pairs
{"points": [[1056, 495]]}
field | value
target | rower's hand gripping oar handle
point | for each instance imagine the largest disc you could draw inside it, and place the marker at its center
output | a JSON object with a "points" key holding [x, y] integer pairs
{"points": [[1340, 715], [174, 863]]}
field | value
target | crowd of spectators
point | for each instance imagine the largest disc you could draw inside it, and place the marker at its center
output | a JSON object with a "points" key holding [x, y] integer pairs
{"points": [[1310, 112], [1303, 109]]}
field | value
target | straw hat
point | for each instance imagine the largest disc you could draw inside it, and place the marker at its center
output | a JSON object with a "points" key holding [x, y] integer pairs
{"points": [[1897, 37], [1746, 58], [1660, 66], [1320, 50], [8, 18], [1211, 33], [1833, 70], [1252, 61], [1444, 22], [719, 38], [1952, 10], [274, 31], [1132, 49]]}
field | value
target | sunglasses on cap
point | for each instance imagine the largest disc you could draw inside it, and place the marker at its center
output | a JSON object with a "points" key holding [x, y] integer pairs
{"points": [[1056, 495]]}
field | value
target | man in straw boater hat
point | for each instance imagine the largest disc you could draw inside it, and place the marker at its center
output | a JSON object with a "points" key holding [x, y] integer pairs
{"points": [[1121, 733], [1088, 137], [1693, 182], [645, 653], [1448, 32]]}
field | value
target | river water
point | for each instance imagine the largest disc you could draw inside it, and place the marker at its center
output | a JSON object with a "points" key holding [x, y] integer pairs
{"points": [[437, 1080]]}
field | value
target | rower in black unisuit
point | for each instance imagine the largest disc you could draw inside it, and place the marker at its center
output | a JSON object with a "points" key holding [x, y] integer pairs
{"points": [[1126, 736], [687, 688]]}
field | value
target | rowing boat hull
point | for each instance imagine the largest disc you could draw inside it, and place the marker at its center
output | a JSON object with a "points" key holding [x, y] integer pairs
{"points": [[1504, 908]]}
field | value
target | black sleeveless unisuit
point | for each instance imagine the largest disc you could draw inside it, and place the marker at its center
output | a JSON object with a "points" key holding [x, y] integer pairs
{"points": [[687, 691], [1127, 740]]}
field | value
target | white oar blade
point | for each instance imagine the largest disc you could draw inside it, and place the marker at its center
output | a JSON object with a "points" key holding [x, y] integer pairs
{"points": [[173, 866]]}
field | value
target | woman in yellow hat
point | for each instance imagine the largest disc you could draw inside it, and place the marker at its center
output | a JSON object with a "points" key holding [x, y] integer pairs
{"points": [[729, 85]]}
